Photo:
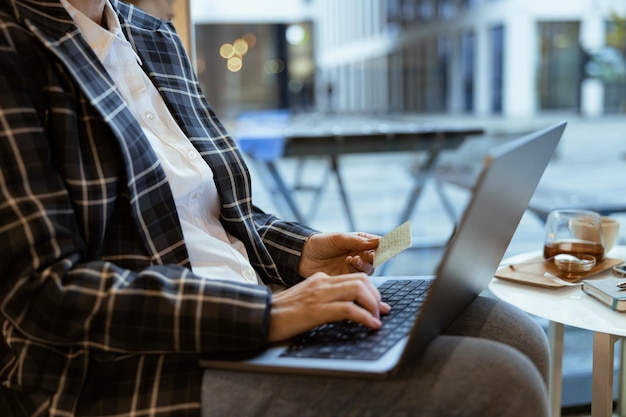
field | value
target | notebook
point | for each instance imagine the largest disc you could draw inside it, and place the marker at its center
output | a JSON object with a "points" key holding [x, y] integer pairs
{"points": [[507, 181]]}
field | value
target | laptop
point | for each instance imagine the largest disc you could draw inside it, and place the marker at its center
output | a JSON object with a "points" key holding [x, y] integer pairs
{"points": [[505, 185]]}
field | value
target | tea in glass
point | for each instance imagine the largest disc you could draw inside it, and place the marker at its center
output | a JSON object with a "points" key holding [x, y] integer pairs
{"points": [[574, 232]]}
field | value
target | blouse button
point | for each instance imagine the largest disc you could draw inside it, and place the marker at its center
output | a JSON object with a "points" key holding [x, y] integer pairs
{"points": [[248, 274], [150, 116]]}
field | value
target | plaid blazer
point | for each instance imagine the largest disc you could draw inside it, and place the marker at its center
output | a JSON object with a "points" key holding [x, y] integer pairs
{"points": [[99, 311]]}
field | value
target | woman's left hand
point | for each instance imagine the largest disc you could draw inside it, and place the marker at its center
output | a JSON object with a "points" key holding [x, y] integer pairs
{"points": [[338, 253]]}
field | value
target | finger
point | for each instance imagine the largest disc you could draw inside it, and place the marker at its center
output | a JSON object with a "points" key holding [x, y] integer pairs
{"points": [[367, 235], [356, 264], [384, 307], [356, 276], [361, 292], [369, 286], [350, 311], [355, 287], [358, 241], [362, 263]]}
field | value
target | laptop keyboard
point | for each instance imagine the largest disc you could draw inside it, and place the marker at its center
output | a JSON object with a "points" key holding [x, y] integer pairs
{"points": [[349, 340]]}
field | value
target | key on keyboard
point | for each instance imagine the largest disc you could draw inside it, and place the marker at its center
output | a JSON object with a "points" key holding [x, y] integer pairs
{"points": [[349, 340]]}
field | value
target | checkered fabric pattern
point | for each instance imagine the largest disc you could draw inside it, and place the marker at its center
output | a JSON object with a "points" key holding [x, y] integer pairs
{"points": [[99, 311]]}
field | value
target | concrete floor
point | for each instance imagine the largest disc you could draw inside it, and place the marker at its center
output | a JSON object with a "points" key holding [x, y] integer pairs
{"points": [[592, 154]]}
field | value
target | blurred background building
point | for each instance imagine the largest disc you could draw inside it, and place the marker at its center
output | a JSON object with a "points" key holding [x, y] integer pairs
{"points": [[479, 57], [254, 55]]}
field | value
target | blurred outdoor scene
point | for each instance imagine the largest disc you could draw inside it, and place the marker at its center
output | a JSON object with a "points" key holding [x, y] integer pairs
{"points": [[503, 67]]}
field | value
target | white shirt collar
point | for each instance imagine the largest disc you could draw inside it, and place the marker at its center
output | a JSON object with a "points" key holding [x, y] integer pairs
{"points": [[98, 38]]}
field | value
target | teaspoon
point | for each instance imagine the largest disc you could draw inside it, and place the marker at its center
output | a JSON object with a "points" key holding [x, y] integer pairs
{"points": [[562, 257]]}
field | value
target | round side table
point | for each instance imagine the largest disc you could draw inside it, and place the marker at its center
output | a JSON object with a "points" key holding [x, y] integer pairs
{"points": [[570, 306]]}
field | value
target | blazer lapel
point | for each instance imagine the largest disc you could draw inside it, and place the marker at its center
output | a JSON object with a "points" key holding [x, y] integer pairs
{"points": [[143, 169]]}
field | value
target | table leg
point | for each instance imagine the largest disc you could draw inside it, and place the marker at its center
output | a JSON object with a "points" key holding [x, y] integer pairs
{"points": [[602, 374], [284, 191], [316, 190], [421, 176], [621, 393], [342, 190], [555, 337]]}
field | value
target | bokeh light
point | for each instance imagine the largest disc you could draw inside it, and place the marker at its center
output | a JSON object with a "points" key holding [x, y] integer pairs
{"points": [[273, 66], [234, 52], [227, 51], [234, 64], [295, 35], [240, 46]]}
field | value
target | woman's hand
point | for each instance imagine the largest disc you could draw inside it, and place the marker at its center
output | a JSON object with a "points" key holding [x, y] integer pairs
{"points": [[338, 253], [324, 299]]}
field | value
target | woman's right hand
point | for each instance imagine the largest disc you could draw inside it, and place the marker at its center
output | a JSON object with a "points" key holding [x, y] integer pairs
{"points": [[322, 299]]}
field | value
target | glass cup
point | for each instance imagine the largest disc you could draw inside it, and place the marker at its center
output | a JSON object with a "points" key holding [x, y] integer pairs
{"points": [[574, 232], [610, 232]]}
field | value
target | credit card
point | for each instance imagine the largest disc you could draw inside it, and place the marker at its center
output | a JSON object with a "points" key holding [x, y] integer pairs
{"points": [[393, 243]]}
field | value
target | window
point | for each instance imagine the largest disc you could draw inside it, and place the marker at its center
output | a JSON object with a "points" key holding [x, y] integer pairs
{"points": [[496, 36], [560, 66], [467, 63], [615, 66]]}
